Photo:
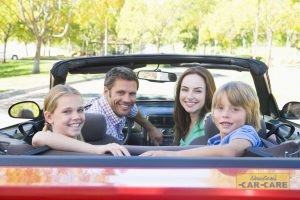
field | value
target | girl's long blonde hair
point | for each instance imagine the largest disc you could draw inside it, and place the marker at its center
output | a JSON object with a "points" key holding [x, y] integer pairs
{"points": [[51, 101]]}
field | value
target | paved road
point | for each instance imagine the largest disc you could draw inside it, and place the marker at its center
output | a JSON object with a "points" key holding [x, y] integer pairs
{"points": [[16, 89]]}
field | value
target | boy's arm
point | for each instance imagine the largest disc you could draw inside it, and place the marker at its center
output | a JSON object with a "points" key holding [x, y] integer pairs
{"points": [[236, 148]]}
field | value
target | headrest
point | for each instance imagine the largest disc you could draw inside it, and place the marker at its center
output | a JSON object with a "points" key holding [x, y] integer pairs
{"points": [[210, 129], [94, 127]]}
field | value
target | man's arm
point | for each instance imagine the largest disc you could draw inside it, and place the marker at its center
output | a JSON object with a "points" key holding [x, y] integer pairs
{"points": [[154, 133]]}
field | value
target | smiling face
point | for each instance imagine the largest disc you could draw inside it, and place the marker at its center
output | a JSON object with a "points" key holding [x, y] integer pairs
{"points": [[68, 117], [228, 117], [192, 93], [122, 96]]}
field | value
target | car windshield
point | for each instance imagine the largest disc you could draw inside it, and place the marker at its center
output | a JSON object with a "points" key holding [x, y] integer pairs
{"points": [[91, 86]]}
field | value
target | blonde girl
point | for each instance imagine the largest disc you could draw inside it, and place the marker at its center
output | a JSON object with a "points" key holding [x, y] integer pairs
{"points": [[64, 118]]}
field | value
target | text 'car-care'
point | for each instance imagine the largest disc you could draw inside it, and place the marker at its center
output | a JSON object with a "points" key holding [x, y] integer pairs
{"points": [[263, 181]]}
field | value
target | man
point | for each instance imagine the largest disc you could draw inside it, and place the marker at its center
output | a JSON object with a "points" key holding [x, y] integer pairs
{"points": [[118, 102]]}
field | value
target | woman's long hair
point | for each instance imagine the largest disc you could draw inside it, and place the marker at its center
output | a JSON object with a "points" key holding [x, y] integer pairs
{"points": [[182, 118]]}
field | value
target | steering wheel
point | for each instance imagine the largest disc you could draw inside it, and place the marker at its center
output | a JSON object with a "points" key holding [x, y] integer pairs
{"points": [[29, 128], [127, 130]]}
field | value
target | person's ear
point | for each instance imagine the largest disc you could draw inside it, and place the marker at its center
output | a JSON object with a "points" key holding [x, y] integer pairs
{"points": [[105, 91], [48, 117]]}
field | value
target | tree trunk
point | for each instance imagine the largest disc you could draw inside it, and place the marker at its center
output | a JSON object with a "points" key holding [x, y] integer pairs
{"points": [[36, 65], [6, 35], [269, 47], [158, 45], [255, 33], [198, 40], [26, 48], [4, 50]]}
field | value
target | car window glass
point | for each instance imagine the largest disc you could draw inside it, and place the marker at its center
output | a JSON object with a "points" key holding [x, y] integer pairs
{"points": [[224, 76], [91, 85]]}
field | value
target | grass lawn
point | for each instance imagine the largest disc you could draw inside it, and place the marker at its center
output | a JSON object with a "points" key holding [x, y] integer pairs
{"points": [[14, 68]]}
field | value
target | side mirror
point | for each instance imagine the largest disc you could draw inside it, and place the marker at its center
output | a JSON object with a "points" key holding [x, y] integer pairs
{"points": [[291, 110], [25, 110], [157, 76]]}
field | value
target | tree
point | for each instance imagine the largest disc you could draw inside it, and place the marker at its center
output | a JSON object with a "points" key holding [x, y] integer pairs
{"points": [[129, 26], [152, 22], [191, 20], [289, 31], [161, 26], [230, 24], [7, 27], [97, 19], [23, 35], [271, 21], [44, 19], [256, 29]]}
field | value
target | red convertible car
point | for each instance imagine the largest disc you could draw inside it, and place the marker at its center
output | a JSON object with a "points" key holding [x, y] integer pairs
{"points": [[269, 172]]}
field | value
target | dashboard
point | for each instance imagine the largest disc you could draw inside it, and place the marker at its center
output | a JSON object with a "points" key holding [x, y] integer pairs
{"points": [[160, 114]]}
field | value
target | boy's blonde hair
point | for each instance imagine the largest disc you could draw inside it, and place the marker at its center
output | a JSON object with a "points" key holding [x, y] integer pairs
{"points": [[243, 95]]}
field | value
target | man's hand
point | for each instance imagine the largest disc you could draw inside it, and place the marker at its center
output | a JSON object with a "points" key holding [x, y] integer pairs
{"points": [[155, 135]]}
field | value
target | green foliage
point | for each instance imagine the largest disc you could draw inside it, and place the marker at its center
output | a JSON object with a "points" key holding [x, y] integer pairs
{"points": [[227, 25], [130, 24], [93, 19], [189, 37], [191, 21], [21, 67]]}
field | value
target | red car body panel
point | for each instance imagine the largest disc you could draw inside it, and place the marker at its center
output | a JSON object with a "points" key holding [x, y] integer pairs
{"points": [[138, 183]]}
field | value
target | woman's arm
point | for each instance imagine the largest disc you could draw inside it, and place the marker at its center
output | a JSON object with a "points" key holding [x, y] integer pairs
{"points": [[64, 143]]}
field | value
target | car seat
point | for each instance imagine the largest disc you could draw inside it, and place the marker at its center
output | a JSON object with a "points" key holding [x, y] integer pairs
{"points": [[94, 130], [210, 130]]}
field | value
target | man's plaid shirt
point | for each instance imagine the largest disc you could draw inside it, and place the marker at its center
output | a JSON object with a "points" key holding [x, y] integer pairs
{"points": [[114, 123]]}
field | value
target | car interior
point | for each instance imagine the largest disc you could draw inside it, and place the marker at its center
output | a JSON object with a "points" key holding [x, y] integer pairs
{"points": [[94, 132], [277, 134]]}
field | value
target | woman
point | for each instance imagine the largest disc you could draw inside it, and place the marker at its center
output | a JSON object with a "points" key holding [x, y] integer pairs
{"points": [[194, 92], [64, 118]]}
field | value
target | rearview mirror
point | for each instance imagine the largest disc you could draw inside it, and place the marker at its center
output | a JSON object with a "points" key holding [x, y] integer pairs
{"points": [[157, 76], [25, 110]]}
